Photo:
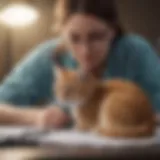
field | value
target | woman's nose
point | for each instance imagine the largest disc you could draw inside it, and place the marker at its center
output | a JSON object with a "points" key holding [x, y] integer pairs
{"points": [[85, 49]]}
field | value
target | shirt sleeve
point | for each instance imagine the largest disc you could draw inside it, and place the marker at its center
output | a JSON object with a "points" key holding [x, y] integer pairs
{"points": [[30, 81], [148, 70]]}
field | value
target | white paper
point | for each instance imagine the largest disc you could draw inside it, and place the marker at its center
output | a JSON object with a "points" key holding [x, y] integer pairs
{"points": [[82, 139]]}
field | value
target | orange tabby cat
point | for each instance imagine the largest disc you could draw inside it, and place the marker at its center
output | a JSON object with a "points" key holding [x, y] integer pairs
{"points": [[115, 108]]}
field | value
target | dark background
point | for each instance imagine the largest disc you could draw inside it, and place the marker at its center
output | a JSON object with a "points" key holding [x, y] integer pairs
{"points": [[138, 16]]}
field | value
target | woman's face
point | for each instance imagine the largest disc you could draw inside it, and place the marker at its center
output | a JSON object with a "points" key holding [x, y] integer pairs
{"points": [[89, 39]]}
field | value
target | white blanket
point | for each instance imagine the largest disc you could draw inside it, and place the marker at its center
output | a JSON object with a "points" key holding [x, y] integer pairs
{"points": [[74, 138]]}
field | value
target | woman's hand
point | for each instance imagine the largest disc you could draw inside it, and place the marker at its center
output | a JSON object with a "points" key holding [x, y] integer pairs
{"points": [[51, 117]]}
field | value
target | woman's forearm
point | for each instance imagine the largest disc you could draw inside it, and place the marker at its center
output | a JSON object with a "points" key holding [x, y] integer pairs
{"points": [[19, 116], [49, 116]]}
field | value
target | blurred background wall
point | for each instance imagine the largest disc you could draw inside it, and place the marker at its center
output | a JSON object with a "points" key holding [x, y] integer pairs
{"points": [[138, 16]]}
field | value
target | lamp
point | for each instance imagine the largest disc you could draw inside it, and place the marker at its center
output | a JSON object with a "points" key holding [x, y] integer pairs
{"points": [[15, 16], [18, 15]]}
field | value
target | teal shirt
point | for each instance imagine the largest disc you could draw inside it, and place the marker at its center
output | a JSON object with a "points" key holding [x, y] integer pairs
{"points": [[131, 57]]}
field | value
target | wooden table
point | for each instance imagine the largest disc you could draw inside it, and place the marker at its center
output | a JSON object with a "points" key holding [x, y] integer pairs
{"points": [[44, 152], [64, 152]]}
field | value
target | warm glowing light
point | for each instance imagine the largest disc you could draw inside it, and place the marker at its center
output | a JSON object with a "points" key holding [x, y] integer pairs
{"points": [[18, 15]]}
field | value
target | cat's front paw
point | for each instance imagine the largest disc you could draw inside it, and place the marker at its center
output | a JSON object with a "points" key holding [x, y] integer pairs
{"points": [[81, 128], [96, 130]]}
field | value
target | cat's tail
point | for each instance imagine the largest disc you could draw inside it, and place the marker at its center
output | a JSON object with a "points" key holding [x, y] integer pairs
{"points": [[144, 130]]}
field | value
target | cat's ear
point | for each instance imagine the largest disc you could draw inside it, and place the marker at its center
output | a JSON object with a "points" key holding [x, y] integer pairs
{"points": [[58, 69], [59, 72], [58, 53]]}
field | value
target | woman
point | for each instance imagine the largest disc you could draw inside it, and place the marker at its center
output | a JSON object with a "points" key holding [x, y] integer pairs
{"points": [[96, 42]]}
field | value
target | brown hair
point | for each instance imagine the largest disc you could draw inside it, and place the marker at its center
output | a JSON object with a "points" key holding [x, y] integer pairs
{"points": [[103, 9]]}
